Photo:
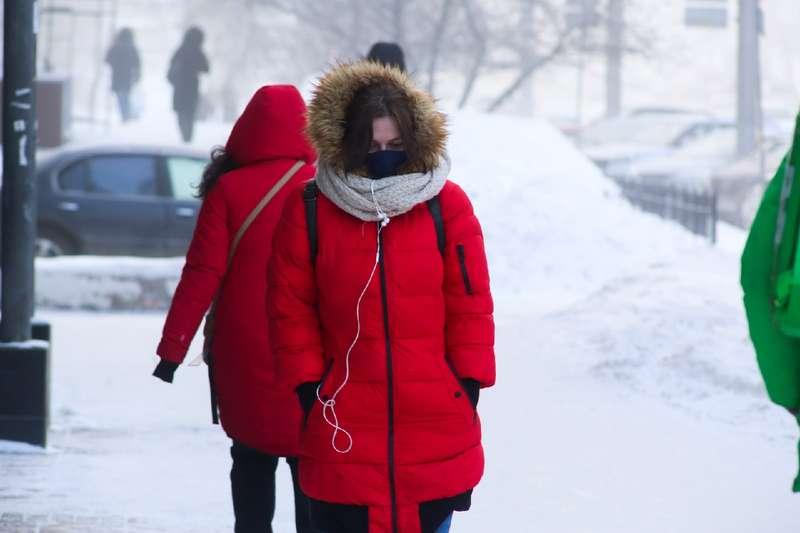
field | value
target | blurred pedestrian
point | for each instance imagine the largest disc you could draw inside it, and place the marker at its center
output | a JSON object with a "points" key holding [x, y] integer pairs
{"points": [[388, 54], [184, 74], [123, 58], [381, 313], [227, 264]]}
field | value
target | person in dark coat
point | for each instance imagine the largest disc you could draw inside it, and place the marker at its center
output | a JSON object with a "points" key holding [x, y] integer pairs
{"points": [[123, 58], [187, 63], [390, 54]]}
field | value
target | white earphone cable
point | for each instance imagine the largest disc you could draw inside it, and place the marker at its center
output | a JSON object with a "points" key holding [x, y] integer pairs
{"points": [[329, 405]]}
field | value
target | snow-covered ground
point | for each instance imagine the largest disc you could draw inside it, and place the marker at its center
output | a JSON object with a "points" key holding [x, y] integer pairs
{"points": [[628, 399]]}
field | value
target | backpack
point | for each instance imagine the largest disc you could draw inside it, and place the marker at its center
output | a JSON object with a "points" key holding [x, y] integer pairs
{"points": [[310, 193]]}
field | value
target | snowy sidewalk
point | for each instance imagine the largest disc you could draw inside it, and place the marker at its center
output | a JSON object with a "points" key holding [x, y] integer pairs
{"points": [[568, 449]]}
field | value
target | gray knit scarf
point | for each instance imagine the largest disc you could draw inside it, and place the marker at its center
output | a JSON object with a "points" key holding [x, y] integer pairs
{"points": [[395, 194]]}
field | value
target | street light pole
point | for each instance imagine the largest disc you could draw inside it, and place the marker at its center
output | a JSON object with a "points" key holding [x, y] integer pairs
{"points": [[615, 28], [24, 363], [748, 108], [19, 163]]}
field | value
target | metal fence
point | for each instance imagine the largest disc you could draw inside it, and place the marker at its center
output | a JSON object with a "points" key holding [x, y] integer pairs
{"points": [[694, 208]]}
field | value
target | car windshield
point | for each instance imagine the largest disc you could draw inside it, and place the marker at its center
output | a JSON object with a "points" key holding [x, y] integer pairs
{"points": [[651, 129], [185, 174], [719, 143]]}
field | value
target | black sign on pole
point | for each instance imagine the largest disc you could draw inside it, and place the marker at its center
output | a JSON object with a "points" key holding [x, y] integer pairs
{"points": [[19, 164]]}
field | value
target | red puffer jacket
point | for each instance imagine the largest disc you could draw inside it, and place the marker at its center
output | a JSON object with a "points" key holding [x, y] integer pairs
{"points": [[255, 408], [426, 323]]}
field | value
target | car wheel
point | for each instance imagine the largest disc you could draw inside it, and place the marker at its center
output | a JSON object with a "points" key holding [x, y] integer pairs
{"points": [[51, 244]]}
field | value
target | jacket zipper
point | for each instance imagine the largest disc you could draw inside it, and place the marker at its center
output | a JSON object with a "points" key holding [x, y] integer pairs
{"points": [[462, 261], [389, 382]]}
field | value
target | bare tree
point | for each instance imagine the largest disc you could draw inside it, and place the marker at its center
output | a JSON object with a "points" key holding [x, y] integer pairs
{"points": [[436, 42], [547, 47], [466, 39], [477, 29]]}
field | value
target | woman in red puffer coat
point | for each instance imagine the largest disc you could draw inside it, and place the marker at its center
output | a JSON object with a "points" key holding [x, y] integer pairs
{"points": [[257, 411], [381, 313]]}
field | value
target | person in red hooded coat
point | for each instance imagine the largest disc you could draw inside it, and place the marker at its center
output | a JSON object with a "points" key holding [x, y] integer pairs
{"points": [[382, 322], [257, 410]]}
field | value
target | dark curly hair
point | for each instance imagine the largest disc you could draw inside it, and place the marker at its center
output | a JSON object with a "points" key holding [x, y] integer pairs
{"points": [[221, 162]]}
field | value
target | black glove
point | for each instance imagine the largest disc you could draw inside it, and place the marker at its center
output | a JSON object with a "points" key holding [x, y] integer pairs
{"points": [[165, 370], [307, 394], [473, 390]]}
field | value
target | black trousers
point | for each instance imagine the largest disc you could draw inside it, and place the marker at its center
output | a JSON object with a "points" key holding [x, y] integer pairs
{"points": [[186, 124], [253, 490]]}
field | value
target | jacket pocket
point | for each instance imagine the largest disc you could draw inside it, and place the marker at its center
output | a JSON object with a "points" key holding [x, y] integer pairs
{"points": [[462, 263], [462, 393]]}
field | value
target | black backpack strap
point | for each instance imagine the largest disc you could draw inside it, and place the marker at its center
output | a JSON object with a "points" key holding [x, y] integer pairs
{"points": [[435, 207], [310, 198]]}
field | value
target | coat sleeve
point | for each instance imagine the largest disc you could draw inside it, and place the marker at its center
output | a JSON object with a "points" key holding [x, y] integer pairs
{"points": [[295, 333], [205, 266], [778, 355], [468, 300]]}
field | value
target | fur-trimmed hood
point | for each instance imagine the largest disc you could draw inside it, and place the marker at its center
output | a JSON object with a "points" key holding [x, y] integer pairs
{"points": [[333, 94]]}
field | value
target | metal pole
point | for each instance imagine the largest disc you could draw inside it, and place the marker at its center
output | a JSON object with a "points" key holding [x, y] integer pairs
{"points": [[748, 78], [48, 50], [398, 13], [615, 30], [19, 163], [581, 72], [527, 30]]}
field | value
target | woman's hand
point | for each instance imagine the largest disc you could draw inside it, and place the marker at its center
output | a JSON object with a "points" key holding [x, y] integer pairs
{"points": [[473, 390], [307, 393], [165, 370]]}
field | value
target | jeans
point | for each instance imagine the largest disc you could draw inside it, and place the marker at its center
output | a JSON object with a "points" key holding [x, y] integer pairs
{"points": [[445, 526], [253, 491]]}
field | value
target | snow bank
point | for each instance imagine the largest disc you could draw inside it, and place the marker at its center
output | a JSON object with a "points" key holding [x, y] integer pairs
{"points": [[624, 295], [555, 227], [21, 448], [106, 283]]}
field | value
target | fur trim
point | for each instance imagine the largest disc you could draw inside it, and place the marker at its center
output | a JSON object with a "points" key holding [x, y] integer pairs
{"points": [[333, 94]]}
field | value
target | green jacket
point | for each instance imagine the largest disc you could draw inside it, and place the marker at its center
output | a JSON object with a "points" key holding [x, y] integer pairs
{"points": [[778, 355]]}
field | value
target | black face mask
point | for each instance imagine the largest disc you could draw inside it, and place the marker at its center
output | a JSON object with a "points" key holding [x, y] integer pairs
{"points": [[385, 163]]}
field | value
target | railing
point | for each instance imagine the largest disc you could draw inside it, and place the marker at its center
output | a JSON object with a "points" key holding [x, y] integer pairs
{"points": [[694, 208]]}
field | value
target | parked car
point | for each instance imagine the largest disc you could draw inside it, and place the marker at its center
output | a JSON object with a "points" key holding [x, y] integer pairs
{"points": [[645, 132], [118, 200], [693, 162]]}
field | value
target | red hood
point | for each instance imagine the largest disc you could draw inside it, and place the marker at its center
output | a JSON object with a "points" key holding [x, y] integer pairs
{"points": [[271, 127]]}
